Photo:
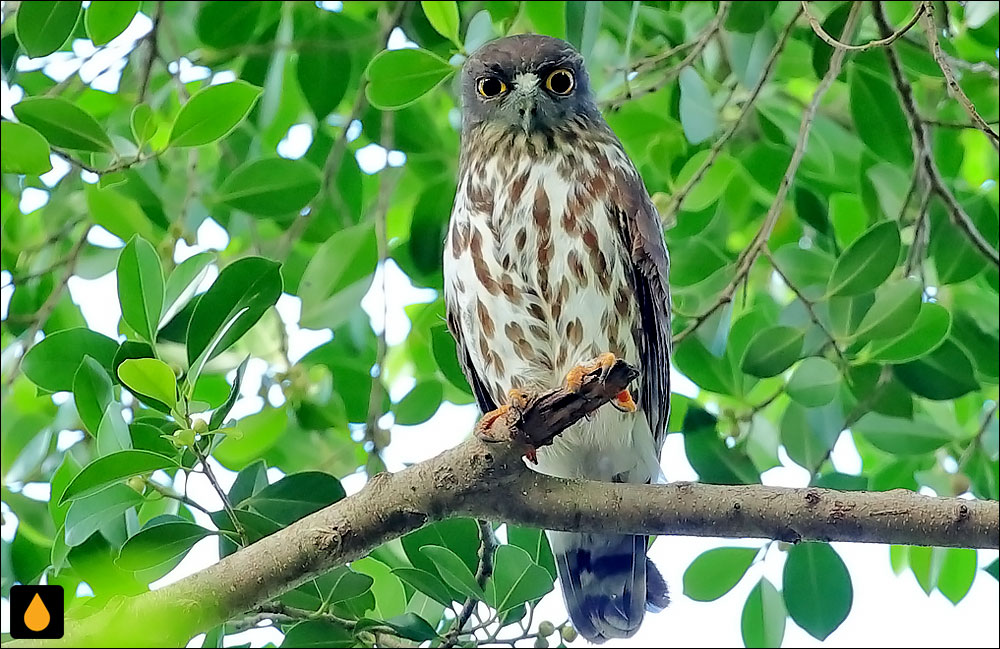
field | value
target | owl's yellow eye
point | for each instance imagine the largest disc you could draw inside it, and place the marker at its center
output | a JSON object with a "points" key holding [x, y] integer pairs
{"points": [[490, 87], [560, 82]]}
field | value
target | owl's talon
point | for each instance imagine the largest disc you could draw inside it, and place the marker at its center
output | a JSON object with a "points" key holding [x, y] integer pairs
{"points": [[624, 402], [485, 423], [517, 399], [604, 362], [531, 454]]}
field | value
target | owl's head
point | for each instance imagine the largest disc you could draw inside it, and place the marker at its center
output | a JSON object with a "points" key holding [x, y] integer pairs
{"points": [[528, 81]]}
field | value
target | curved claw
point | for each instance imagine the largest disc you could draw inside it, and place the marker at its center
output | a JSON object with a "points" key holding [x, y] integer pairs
{"points": [[624, 402]]}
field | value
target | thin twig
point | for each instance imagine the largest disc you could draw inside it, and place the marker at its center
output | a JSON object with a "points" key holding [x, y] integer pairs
{"points": [[46, 309], [678, 198], [228, 506], [167, 492], [749, 255], [699, 45], [930, 29], [487, 546], [121, 165], [147, 68], [914, 258], [922, 150], [807, 303], [942, 123], [840, 45]]}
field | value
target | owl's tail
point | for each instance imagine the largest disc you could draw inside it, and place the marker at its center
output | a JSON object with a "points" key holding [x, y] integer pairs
{"points": [[607, 582]]}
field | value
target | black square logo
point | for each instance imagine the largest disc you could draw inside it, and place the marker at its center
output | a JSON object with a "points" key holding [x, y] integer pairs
{"points": [[36, 612]]}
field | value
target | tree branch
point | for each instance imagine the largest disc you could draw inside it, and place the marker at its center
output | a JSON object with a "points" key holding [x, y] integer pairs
{"points": [[923, 157], [840, 45], [747, 258], [930, 29], [489, 480]]}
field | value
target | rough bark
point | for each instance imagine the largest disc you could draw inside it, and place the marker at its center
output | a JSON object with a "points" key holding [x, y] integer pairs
{"points": [[489, 480]]}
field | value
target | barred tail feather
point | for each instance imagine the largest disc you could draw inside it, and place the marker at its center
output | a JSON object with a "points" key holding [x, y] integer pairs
{"points": [[607, 582]]}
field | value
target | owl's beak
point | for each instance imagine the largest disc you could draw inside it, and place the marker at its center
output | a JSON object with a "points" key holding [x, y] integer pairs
{"points": [[523, 98]]}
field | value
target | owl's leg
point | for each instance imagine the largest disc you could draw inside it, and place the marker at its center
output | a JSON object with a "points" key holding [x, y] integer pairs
{"points": [[623, 401], [517, 400]]}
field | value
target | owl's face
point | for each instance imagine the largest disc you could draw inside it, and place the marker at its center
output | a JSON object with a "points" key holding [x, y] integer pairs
{"points": [[529, 82]]}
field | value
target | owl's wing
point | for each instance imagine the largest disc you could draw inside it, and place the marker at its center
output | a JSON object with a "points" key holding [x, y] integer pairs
{"points": [[642, 235], [479, 389]]}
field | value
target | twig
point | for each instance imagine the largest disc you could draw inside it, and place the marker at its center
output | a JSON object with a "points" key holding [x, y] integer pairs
{"points": [[387, 185], [46, 309], [807, 303], [678, 198], [922, 151], [749, 255], [699, 45], [121, 165], [930, 29], [633, 15], [147, 68], [167, 492], [919, 235], [941, 123], [487, 546], [983, 425], [228, 506], [840, 45]]}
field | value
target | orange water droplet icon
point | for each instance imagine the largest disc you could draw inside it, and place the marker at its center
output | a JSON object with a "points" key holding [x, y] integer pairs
{"points": [[37, 616]]}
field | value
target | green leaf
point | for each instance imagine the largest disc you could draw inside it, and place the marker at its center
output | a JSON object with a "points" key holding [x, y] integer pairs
{"points": [[697, 111], [317, 635], [296, 495], [42, 27], [763, 619], [397, 78], [708, 371], [817, 588], [149, 377], [223, 25], [113, 433], [142, 122], [212, 113], [240, 295], [419, 404], [443, 16], [748, 17], [140, 287], [106, 19], [92, 392], [958, 571], [157, 544], [772, 351], [113, 468], [271, 187], [219, 415], [716, 572], [52, 363], [808, 434], [61, 123], [184, 280], [535, 543], [89, 514], [453, 571], [24, 151], [926, 563], [715, 462], [902, 436], [897, 305], [994, 569], [408, 625], [425, 582], [712, 184], [481, 30], [67, 470], [516, 579], [927, 331], [867, 262], [118, 214], [821, 52], [946, 373], [254, 436], [879, 118], [324, 74], [814, 382], [847, 213], [446, 356], [548, 18], [390, 596]]}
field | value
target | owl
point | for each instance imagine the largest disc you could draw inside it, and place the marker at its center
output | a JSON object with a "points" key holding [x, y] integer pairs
{"points": [[555, 264]]}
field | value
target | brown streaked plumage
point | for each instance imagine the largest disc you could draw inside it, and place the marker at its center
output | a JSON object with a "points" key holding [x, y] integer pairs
{"points": [[555, 256]]}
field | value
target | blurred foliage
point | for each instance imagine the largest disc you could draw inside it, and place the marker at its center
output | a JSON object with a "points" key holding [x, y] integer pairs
{"points": [[869, 311]]}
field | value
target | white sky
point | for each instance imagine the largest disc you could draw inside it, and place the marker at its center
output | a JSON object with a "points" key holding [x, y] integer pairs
{"points": [[887, 610]]}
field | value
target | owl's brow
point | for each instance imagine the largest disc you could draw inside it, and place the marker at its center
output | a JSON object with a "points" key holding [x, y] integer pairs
{"points": [[496, 68]]}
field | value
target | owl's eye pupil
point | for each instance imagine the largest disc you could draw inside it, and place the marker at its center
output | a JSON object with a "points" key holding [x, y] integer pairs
{"points": [[491, 86], [560, 82]]}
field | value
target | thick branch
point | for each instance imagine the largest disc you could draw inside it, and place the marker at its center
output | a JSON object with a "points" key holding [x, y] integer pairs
{"points": [[489, 480]]}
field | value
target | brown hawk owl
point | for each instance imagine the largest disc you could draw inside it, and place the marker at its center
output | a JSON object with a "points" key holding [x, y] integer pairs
{"points": [[555, 256]]}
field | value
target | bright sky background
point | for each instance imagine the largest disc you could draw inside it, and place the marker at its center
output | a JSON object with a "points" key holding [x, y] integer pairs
{"points": [[887, 610]]}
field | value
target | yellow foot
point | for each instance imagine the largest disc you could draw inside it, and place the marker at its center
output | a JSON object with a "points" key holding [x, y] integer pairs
{"points": [[574, 379], [516, 399], [624, 401]]}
